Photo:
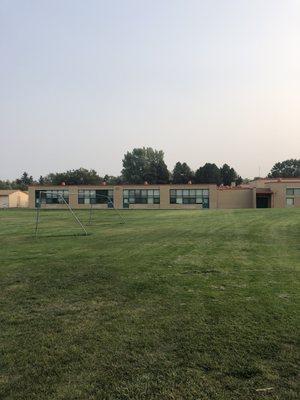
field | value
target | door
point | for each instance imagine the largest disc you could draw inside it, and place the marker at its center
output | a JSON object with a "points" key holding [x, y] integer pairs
{"points": [[262, 202], [3, 201]]}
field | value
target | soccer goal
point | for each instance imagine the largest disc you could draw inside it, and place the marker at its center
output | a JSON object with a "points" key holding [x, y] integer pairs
{"points": [[58, 198], [100, 198]]}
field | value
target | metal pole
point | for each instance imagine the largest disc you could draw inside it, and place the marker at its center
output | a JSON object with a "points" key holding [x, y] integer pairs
{"points": [[37, 215], [111, 202], [74, 215], [90, 218]]}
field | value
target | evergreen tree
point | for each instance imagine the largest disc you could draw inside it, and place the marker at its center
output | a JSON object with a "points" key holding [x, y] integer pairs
{"points": [[209, 173], [182, 173], [228, 175]]}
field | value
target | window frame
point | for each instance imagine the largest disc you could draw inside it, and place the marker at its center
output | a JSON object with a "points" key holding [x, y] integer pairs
{"points": [[51, 196], [189, 196], [292, 201], [140, 196], [95, 196]]}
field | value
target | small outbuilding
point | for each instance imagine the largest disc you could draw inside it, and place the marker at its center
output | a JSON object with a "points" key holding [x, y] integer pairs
{"points": [[13, 199]]}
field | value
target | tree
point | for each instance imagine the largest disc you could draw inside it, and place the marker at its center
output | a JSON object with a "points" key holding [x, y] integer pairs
{"points": [[113, 180], [145, 164], [23, 182], [79, 176], [182, 173], [239, 180], [5, 185], [286, 169], [245, 181], [209, 173], [228, 175], [42, 180]]}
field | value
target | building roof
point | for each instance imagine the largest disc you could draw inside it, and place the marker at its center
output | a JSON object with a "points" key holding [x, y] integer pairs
{"points": [[106, 186], [283, 180], [264, 191], [276, 180], [7, 192], [243, 187]]}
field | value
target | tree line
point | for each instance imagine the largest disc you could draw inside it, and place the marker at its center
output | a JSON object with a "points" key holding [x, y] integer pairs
{"points": [[147, 165]]}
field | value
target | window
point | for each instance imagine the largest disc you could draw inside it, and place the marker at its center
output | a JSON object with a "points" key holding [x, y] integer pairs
{"points": [[51, 197], [293, 192], [92, 196], [140, 196], [190, 196]]}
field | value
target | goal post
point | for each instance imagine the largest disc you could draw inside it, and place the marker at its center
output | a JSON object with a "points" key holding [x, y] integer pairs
{"points": [[109, 202], [61, 200]]}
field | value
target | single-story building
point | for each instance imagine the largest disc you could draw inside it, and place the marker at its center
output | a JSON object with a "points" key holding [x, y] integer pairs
{"points": [[13, 198], [262, 193]]}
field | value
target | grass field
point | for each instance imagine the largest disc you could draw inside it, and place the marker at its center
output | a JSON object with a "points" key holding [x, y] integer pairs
{"points": [[170, 305]]}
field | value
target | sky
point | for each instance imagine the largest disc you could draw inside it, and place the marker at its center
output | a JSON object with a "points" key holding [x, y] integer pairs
{"points": [[83, 82]]}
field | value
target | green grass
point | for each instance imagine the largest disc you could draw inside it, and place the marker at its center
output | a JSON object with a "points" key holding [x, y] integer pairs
{"points": [[170, 305]]}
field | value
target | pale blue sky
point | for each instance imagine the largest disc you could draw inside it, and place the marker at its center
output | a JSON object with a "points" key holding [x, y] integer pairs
{"points": [[82, 82]]}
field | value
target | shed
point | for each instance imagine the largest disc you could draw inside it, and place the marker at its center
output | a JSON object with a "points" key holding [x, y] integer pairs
{"points": [[13, 198]]}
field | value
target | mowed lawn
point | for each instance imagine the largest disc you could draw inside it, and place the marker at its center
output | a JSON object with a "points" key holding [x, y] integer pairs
{"points": [[170, 305]]}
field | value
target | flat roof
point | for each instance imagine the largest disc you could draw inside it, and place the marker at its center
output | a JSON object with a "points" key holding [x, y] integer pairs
{"points": [[6, 192], [276, 180], [97, 185], [235, 187], [264, 191]]}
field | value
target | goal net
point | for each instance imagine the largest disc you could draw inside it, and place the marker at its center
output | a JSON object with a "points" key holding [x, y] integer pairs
{"points": [[44, 197]]}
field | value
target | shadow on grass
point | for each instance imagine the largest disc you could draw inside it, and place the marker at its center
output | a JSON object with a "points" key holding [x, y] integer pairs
{"points": [[61, 235], [104, 223]]}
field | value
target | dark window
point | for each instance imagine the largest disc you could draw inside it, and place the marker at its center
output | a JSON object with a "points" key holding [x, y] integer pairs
{"points": [[140, 196], [92, 196], [51, 197], [293, 192], [190, 196]]}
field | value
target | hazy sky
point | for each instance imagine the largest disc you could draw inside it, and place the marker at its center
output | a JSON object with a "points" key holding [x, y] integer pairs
{"points": [[82, 82]]}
